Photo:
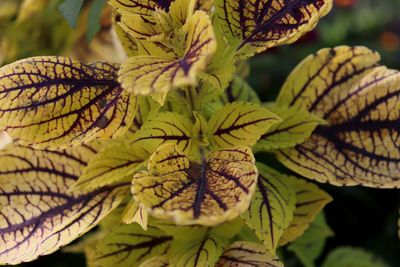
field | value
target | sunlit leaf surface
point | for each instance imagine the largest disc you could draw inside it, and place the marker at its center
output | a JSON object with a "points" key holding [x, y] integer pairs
{"points": [[38, 213], [214, 190], [58, 102], [360, 102]]}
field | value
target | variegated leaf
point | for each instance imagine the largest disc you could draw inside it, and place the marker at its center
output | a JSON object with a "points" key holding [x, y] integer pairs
{"points": [[140, 7], [253, 26], [239, 123], [38, 212], [157, 261], [129, 245], [164, 128], [214, 190], [135, 212], [359, 99], [271, 209], [295, 128], [310, 200], [58, 102], [116, 162], [158, 74], [242, 253]]}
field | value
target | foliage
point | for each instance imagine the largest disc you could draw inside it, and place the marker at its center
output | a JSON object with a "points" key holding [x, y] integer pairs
{"points": [[163, 143]]}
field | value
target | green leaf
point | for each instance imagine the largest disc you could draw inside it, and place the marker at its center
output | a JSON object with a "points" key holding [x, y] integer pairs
{"points": [[135, 212], [310, 200], [310, 245], [352, 257], [271, 209], [116, 162], [129, 245], [70, 10], [239, 123], [93, 24], [295, 128], [242, 253]]}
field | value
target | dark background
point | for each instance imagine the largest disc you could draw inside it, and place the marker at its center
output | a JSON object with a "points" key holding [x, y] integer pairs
{"points": [[359, 217]]}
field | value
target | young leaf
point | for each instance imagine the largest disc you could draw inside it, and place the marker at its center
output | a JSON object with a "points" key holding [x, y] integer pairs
{"points": [[296, 127], [38, 213], [145, 75], [217, 189], [70, 10], [57, 102], [310, 245], [242, 253], [359, 100], [129, 245], [111, 165], [165, 128], [128, 43], [254, 26], [310, 200], [135, 212], [352, 257], [239, 124], [271, 209], [197, 251]]}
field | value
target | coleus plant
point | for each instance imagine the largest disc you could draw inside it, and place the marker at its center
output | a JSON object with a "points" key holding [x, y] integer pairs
{"points": [[159, 150]]}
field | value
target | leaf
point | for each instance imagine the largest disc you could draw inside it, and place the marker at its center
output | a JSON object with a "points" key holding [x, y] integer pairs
{"points": [[145, 75], [140, 7], [38, 212], [93, 24], [271, 209], [113, 164], [254, 26], [346, 87], [217, 189], [147, 108], [311, 244], [352, 257], [157, 261], [70, 10], [295, 128], [310, 200], [165, 128], [135, 212], [129, 245], [242, 253], [128, 43], [57, 102], [199, 251], [239, 124]]}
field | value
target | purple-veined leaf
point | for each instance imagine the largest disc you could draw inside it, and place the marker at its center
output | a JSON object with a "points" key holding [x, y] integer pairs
{"points": [[38, 213], [360, 101]]}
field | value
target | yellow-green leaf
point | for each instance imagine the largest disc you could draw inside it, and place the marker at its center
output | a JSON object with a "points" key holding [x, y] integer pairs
{"points": [[242, 253], [358, 99], [158, 74], [271, 209], [128, 43], [166, 127], [59, 102], [352, 257], [38, 213], [310, 200], [157, 261], [129, 245], [253, 26], [113, 164], [214, 190], [140, 7], [239, 124], [197, 250], [295, 128], [135, 212]]}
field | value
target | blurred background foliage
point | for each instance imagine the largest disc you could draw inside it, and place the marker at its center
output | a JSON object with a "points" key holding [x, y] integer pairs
{"points": [[360, 217]]}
